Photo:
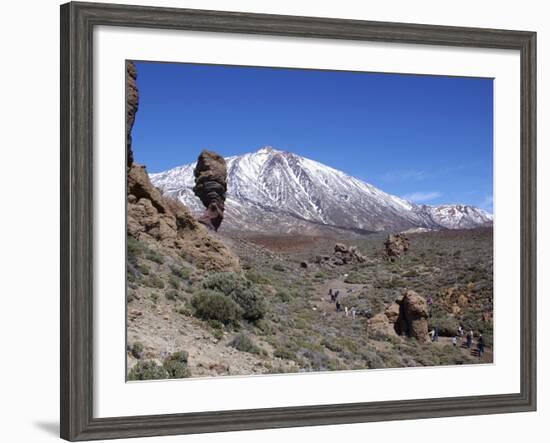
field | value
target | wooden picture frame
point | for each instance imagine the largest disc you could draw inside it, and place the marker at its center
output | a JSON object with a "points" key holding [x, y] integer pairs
{"points": [[77, 23]]}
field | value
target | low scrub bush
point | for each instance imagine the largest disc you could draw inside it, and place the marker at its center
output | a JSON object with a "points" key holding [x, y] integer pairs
{"points": [[154, 281], [244, 343], [147, 370], [181, 273], [134, 249], [137, 350], [172, 294], [240, 290], [176, 365], [212, 305], [356, 278], [155, 257]]}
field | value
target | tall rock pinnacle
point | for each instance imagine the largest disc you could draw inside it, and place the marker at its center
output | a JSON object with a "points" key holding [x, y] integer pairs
{"points": [[211, 187]]}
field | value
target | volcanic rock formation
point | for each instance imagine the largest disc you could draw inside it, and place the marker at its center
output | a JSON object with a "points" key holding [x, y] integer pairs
{"points": [[132, 101], [342, 255], [407, 315], [414, 315], [396, 246], [152, 216], [211, 187]]}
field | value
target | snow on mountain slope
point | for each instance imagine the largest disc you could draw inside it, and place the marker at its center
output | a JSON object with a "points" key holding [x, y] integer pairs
{"points": [[276, 191]]}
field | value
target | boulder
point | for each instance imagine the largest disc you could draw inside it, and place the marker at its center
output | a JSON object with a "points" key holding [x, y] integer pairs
{"points": [[407, 315], [414, 312], [396, 246], [341, 255], [211, 187]]}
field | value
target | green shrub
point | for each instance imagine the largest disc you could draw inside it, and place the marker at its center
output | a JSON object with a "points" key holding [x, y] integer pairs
{"points": [[332, 344], [155, 257], [257, 278], [184, 310], [137, 350], [212, 305], [226, 282], [372, 359], [252, 304], [279, 267], [182, 273], [284, 295], [241, 291], [356, 278], [215, 324], [316, 360], [147, 370], [154, 281], [176, 365], [244, 343], [174, 282], [134, 249], [284, 353], [144, 269], [410, 273], [172, 294]]}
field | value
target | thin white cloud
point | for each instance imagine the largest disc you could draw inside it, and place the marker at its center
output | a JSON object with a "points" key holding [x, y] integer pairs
{"points": [[422, 196]]}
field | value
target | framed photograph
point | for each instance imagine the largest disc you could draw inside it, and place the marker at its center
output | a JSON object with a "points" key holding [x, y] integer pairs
{"points": [[273, 221]]}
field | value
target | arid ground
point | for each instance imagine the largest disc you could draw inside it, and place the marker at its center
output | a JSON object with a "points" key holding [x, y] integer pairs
{"points": [[279, 316]]}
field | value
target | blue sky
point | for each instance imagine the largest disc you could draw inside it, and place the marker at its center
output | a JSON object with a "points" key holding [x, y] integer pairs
{"points": [[426, 138]]}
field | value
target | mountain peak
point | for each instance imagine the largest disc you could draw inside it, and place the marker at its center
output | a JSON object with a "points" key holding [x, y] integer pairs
{"points": [[267, 150], [271, 190]]}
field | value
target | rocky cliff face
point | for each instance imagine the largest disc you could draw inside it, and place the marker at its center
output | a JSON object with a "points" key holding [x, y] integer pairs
{"points": [[132, 100], [153, 217]]}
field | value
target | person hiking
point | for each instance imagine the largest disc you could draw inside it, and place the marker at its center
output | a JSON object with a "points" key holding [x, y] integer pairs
{"points": [[432, 334], [454, 341], [480, 345], [436, 334], [346, 310], [336, 294], [338, 306], [469, 339], [353, 313], [331, 295]]}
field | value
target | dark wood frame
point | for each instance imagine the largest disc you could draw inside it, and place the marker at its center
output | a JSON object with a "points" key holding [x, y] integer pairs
{"points": [[77, 24]]}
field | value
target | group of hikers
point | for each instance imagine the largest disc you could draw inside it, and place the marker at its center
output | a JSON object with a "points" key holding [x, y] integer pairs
{"points": [[460, 333], [354, 312], [434, 333]]}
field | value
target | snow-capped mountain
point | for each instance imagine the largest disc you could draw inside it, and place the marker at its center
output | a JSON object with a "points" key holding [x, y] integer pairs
{"points": [[275, 191]]}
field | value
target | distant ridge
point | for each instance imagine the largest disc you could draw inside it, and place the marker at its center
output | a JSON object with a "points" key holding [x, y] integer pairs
{"points": [[278, 191]]}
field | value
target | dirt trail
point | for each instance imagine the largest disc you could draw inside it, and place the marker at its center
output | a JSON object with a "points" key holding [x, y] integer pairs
{"points": [[321, 301], [473, 351]]}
